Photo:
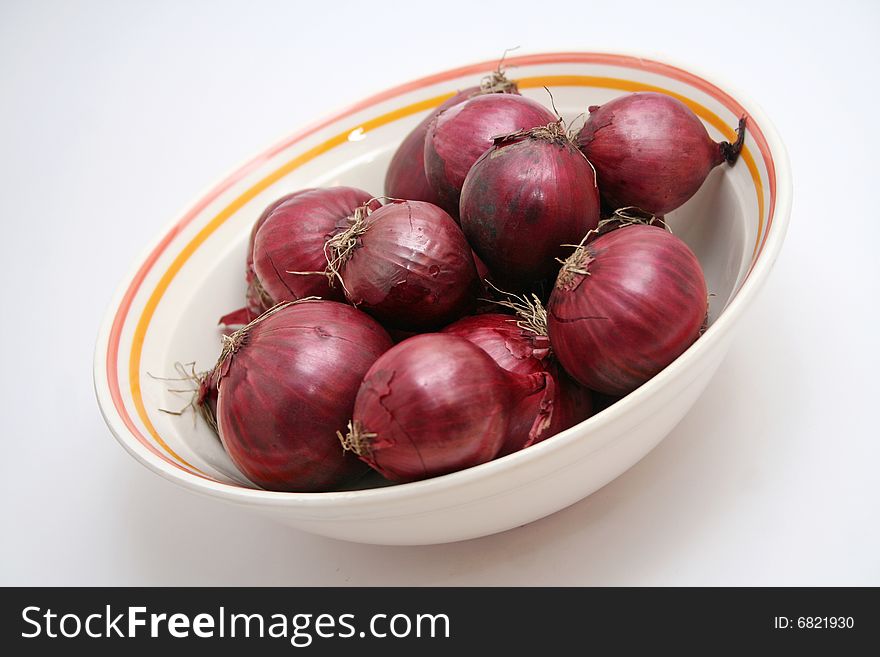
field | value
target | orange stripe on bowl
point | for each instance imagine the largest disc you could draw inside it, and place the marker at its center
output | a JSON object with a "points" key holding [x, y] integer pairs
{"points": [[128, 297]]}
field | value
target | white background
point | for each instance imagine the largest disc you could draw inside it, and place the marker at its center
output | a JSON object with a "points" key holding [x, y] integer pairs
{"points": [[115, 115]]}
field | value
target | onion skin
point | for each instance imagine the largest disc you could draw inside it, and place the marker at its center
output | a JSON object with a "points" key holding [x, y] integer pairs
{"points": [[257, 300], [483, 272], [458, 136], [239, 317], [435, 404], [291, 238], [513, 348], [412, 268], [206, 399], [651, 151], [642, 304], [405, 177], [572, 403], [523, 199], [287, 383], [523, 352]]}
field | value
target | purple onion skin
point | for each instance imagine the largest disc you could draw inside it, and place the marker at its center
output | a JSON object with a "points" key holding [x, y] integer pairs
{"points": [[257, 302], [241, 316], [436, 404], [521, 201], [413, 269], [458, 136], [523, 352], [642, 304], [206, 399], [289, 387], [292, 238], [515, 349], [405, 177], [649, 150], [572, 403]]}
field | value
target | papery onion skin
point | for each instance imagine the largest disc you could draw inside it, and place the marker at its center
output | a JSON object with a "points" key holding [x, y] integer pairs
{"points": [[257, 300], [435, 404], [412, 268], [288, 385], [651, 151], [572, 404], [513, 348], [458, 136], [521, 351], [405, 177], [240, 317], [523, 199], [292, 237], [641, 305], [206, 399]]}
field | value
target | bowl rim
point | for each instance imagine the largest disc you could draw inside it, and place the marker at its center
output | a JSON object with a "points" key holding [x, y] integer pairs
{"points": [[754, 280]]}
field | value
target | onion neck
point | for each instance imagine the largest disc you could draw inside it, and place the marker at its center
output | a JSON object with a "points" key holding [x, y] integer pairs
{"points": [[554, 132], [339, 248], [730, 152], [258, 292], [207, 389], [574, 267], [356, 440], [497, 83], [234, 341], [628, 216], [531, 316]]}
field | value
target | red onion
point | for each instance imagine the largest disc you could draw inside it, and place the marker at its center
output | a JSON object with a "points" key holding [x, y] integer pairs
{"points": [[651, 151], [287, 383], [289, 244], [625, 306], [405, 177], [529, 194], [257, 301], [206, 398], [514, 348], [408, 264], [521, 346], [458, 136], [437, 403], [204, 394]]}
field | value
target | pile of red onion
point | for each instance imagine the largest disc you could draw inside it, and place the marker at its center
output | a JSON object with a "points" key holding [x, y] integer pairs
{"points": [[517, 277]]}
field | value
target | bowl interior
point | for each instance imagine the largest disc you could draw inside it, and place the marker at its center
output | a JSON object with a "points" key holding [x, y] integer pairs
{"points": [[195, 273]]}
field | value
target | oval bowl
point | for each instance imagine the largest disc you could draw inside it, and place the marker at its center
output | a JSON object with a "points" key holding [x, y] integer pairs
{"points": [[165, 312]]}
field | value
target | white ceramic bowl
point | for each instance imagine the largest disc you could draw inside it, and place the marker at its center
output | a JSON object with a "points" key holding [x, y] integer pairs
{"points": [[166, 310]]}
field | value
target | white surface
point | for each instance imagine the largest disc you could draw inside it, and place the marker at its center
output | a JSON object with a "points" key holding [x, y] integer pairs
{"points": [[113, 116]]}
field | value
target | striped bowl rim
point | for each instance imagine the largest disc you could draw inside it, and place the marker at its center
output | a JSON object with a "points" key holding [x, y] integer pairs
{"points": [[162, 459]]}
